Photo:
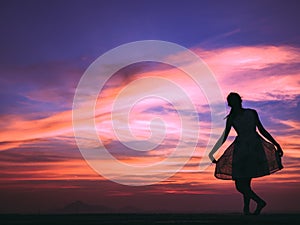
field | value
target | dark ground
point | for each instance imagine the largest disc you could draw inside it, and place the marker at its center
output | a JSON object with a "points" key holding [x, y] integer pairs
{"points": [[141, 219]]}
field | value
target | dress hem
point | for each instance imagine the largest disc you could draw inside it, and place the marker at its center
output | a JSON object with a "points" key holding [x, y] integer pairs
{"points": [[224, 165]]}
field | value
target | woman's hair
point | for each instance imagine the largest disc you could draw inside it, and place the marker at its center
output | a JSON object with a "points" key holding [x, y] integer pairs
{"points": [[235, 102]]}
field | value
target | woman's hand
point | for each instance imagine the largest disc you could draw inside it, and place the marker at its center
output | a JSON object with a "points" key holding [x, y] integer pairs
{"points": [[280, 152], [213, 160]]}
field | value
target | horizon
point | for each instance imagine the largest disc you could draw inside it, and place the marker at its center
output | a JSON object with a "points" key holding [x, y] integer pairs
{"points": [[252, 48]]}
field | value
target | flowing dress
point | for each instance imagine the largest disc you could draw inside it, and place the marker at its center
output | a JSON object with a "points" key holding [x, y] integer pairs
{"points": [[249, 155]]}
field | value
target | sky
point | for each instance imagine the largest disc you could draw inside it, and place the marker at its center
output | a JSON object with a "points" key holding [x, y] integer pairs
{"points": [[251, 47]]}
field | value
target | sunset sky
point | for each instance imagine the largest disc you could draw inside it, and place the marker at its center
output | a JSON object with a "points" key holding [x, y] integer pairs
{"points": [[251, 47]]}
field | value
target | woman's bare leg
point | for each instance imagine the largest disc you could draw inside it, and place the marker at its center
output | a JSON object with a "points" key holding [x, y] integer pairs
{"points": [[246, 209], [244, 186]]}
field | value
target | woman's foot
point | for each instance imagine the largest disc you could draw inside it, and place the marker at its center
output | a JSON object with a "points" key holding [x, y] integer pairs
{"points": [[246, 211], [259, 207]]}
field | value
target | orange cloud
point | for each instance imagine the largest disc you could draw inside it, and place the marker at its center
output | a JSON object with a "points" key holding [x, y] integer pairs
{"points": [[17, 129], [248, 70], [257, 71]]}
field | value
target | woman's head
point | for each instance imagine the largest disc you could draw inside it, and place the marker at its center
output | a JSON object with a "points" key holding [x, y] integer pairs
{"points": [[234, 100]]}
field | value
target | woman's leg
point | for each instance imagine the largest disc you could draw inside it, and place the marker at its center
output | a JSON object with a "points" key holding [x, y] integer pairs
{"points": [[241, 185], [259, 201], [246, 204], [244, 186]]}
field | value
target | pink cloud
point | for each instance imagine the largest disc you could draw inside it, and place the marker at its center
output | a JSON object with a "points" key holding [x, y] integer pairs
{"points": [[247, 70]]}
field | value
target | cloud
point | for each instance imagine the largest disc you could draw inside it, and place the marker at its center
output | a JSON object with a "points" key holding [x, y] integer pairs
{"points": [[41, 87], [16, 128], [257, 72], [40, 147]]}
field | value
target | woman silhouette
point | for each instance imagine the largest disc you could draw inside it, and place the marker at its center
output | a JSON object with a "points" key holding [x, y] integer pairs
{"points": [[249, 156]]}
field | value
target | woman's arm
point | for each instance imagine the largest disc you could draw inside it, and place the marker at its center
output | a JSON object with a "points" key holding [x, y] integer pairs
{"points": [[221, 140], [267, 135]]}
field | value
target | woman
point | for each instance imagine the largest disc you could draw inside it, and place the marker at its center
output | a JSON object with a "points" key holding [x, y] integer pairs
{"points": [[249, 156]]}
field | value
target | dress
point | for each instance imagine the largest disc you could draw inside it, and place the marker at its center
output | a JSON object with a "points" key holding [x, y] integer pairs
{"points": [[249, 155]]}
